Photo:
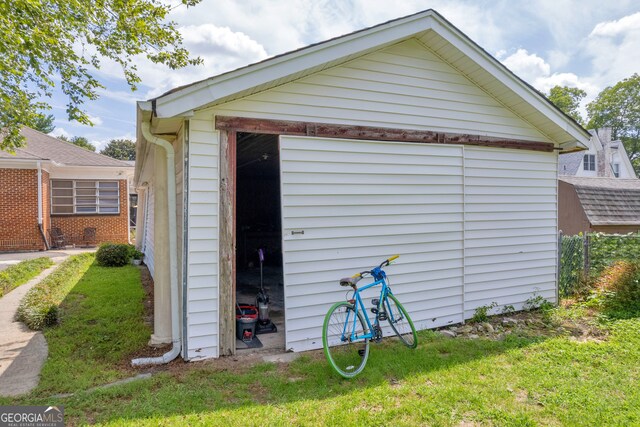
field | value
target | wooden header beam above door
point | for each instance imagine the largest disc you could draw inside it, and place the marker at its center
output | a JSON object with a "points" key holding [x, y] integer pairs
{"points": [[324, 130]]}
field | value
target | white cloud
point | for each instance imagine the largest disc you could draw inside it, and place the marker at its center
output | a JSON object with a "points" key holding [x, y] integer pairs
{"points": [[537, 72], [558, 59], [207, 39], [545, 83], [613, 49], [126, 97], [615, 28], [527, 66], [220, 48], [101, 143], [97, 121]]}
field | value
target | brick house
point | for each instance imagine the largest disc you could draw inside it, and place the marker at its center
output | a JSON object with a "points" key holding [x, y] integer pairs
{"points": [[51, 188]]}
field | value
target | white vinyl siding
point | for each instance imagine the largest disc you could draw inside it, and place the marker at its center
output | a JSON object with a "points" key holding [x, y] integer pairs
{"points": [[147, 242], [510, 227], [402, 86], [358, 203], [202, 268]]}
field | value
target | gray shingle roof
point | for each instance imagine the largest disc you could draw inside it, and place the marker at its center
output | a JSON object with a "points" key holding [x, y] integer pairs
{"points": [[39, 146], [608, 201], [568, 164]]}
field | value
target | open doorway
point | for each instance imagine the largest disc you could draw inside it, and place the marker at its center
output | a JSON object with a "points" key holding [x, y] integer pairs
{"points": [[259, 227]]}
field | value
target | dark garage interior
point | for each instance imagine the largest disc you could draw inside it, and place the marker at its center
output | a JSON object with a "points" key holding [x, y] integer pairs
{"points": [[259, 226]]}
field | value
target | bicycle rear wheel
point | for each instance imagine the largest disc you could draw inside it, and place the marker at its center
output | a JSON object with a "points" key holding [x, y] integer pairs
{"points": [[347, 357], [400, 321]]}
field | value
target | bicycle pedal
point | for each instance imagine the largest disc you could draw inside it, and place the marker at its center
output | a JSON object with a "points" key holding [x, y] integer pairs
{"points": [[361, 352], [382, 316], [374, 310], [377, 333], [375, 302]]}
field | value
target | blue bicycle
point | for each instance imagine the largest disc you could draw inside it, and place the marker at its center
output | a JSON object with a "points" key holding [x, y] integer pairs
{"points": [[347, 331]]}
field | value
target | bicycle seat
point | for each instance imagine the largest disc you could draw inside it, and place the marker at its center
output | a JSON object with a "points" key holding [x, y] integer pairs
{"points": [[350, 281]]}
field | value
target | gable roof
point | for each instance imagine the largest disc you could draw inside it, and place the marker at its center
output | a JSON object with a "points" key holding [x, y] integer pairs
{"points": [[39, 146], [428, 27], [568, 164], [608, 201]]}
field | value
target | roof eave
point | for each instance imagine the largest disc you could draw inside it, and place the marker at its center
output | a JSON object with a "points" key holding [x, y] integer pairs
{"points": [[613, 222], [18, 162], [144, 112], [572, 147]]}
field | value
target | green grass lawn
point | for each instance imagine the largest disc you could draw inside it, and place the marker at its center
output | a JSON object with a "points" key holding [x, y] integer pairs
{"points": [[516, 382], [524, 380], [19, 274], [100, 324]]}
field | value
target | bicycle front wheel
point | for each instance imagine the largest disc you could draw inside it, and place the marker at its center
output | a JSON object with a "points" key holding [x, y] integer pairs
{"points": [[400, 322], [346, 356]]}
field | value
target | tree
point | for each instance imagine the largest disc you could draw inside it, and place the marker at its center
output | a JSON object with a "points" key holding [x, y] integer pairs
{"points": [[121, 149], [80, 141], [568, 100], [618, 107], [44, 41], [44, 123]]}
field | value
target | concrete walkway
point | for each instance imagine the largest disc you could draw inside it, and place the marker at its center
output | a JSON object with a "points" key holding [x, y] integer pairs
{"points": [[22, 351], [11, 258]]}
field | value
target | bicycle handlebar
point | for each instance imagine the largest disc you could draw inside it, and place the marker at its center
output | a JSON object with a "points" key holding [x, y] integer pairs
{"points": [[384, 263]]}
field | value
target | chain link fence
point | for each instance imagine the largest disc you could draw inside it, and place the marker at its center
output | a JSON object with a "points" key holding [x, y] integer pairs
{"points": [[583, 257], [572, 265]]}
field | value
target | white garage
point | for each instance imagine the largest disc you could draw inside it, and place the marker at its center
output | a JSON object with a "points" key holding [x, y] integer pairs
{"points": [[402, 138]]}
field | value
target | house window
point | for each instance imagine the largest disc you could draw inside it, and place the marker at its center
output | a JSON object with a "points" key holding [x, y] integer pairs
{"points": [[589, 162], [616, 169], [84, 197]]}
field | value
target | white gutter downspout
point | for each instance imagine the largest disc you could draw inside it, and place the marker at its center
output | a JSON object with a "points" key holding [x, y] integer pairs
{"points": [[173, 253], [44, 238]]}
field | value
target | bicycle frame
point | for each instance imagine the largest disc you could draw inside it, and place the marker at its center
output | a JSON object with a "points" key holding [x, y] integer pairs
{"points": [[359, 305]]}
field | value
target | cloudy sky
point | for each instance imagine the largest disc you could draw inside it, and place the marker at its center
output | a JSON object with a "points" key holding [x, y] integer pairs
{"points": [[590, 44]]}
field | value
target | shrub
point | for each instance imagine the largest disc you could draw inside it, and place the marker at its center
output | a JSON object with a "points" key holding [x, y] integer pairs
{"points": [[136, 254], [39, 308], [114, 255], [482, 313], [618, 289], [535, 302], [606, 249]]}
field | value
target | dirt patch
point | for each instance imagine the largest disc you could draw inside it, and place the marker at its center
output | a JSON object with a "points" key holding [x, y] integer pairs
{"points": [[531, 324]]}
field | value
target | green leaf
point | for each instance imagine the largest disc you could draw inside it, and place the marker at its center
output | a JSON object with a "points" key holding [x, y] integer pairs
{"points": [[45, 41]]}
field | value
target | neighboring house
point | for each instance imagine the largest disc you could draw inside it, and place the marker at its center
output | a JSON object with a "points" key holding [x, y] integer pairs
{"points": [[405, 138], [51, 186], [603, 158], [595, 204], [598, 188]]}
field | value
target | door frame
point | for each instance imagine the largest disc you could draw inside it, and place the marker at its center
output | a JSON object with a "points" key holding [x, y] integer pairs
{"points": [[227, 254]]}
